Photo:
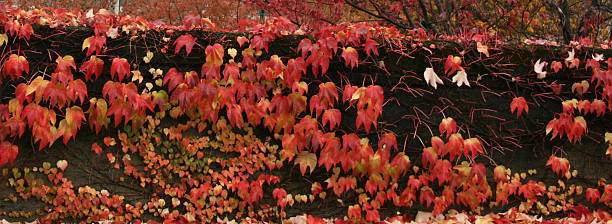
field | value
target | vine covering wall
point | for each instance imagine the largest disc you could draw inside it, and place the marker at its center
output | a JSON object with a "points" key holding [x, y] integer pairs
{"points": [[116, 118]]}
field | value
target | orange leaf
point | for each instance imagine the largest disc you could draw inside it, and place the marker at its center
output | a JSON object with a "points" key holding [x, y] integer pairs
{"points": [[306, 160]]}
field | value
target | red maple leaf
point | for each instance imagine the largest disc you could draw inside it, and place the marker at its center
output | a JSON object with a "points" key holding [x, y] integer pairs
{"points": [[330, 153], [241, 40], [173, 78], [448, 125], [77, 89], [350, 56], [371, 46], [25, 31], [592, 195], [454, 146], [452, 64], [120, 67], [519, 104], [93, 66], [499, 173], [426, 195], [333, 117], [388, 140], [559, 165], [15, 66], [8, 153], [472, 148], [185, 40], [12, 27], [280, 194], [354, 211], [372, 215], [556, 66], [64, 64], [56, 94], [94, 44], [402, 162]]}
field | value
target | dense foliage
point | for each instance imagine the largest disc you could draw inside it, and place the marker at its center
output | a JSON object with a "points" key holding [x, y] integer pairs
{"points": [[207, 126]]}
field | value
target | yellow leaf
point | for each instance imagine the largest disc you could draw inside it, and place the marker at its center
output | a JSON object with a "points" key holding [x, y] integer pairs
{"points": [[148, 58], [136, 76], [232, 52], [608, 137], [3, 39], [86, 44]]}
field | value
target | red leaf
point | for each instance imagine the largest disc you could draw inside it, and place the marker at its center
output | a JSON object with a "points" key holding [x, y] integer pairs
{"points": [[26, 31], [12, 27], [592, 195], [598, 106], [333, 116], [558, 164], [280, 194], [441, 171], [350, 56], [388, 140], [479, 171], [448, 125], [354, 211], [173, 78], [330, 153], [55, 94], [499, 173], [8, 153], [184, 40], [452, 64], [241, 40], [214, 54], [94, 44], [64, 64], [371, 46], [429, 157], [472, 148], [120, 67], [93, 66], [96, 148], [77, 89], [426, 195], [556, 66], [402, 162], [454, 146], [372, 215], [15, 66], [519, 104]]}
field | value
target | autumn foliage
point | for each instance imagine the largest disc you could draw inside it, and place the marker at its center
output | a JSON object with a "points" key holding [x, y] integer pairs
{"points": [[208, 125]]}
